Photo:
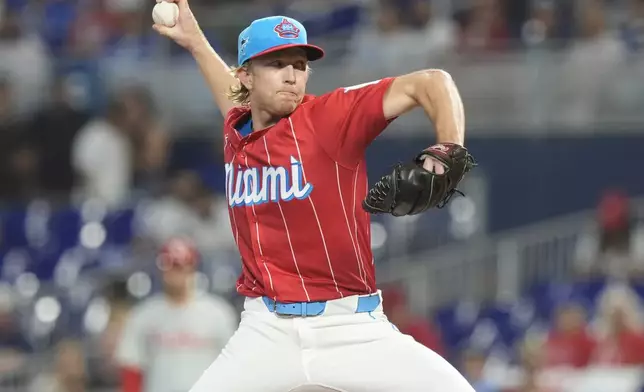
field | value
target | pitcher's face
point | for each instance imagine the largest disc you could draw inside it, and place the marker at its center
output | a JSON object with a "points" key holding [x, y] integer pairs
{"points": [[277, 81]]}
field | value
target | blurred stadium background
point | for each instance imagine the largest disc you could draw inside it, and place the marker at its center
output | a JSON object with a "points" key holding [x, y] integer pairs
{"points": [[532, 282]]}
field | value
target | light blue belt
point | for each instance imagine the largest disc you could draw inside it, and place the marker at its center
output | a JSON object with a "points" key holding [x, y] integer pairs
{"points": [[366, 304]]}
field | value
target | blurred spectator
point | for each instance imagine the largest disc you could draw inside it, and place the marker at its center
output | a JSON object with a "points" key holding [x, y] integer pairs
{"points": [[13, 346], [195, 328], [106, 150], [103, 367], [52, 131], [583, 86], [632, 29], [188, 209], [410, 36], [68, 373], [54, 20], [18, 160], [569, 344], [395, 306], [94, 27], [134, 39], [24, 60], [149, 138], [484, 27], [118, 295], [620, 332], [616, 248], [541, 28], [531, 380], [473, 363]]}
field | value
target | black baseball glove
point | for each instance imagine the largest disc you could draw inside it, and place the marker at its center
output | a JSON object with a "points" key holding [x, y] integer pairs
{"points": [[410, 189]]}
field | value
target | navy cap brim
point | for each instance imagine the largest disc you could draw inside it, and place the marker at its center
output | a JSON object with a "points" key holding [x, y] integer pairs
{"points": [[312, 52]]}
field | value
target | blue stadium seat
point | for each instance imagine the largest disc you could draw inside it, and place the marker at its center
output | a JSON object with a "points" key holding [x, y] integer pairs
{"points": [[14, 262], [484, 335], [523, 314], [547, 296], [638, 288], [64, 226], [14, 229], [502, 318], [43, 263], [586, 293], [456, 322], [119, 227], [57, 20]]}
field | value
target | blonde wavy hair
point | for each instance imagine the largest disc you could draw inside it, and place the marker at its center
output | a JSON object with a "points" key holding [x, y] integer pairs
{"points": [[240, 94]]}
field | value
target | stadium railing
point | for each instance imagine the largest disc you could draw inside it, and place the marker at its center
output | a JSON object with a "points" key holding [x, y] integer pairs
{"points": [[497, 267]]}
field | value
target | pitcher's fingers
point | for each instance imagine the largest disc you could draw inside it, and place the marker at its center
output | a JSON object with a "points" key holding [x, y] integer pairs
{"points": [[180, 3], [183, 4], [163, 30], [428, 164], [439, 168]]}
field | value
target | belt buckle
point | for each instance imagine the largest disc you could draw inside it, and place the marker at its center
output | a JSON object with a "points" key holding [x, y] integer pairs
{"points": [[275, 306]]}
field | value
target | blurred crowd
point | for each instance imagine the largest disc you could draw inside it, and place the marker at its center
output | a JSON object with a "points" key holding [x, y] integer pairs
{"points": [[91, 41], [64, 155], [70, 137], [50, 102], [557, 331]]}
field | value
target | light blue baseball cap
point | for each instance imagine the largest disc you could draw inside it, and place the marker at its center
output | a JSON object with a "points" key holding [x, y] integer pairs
{"points": [[267, 35]]}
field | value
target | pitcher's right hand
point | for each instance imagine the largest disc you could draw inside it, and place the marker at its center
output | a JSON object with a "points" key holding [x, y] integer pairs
{"points": [[186, 32]]}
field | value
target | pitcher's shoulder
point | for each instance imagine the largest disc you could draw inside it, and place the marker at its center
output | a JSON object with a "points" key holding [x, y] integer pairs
{"points": [[312, 104], [235, 114]]}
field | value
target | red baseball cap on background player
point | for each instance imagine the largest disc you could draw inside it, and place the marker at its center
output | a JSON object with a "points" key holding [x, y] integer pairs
{"points": [[177, 252], [267, 35]]}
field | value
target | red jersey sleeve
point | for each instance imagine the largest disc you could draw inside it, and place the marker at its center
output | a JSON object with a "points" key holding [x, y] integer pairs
{"points": [[348, 119]]}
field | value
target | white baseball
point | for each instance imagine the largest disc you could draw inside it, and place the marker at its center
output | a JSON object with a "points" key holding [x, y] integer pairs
{"points": [[165, 13]]}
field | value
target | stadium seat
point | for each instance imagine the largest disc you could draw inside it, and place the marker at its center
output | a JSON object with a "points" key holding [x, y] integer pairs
{"points": [[14, 262], [119, 227], [456, 322], [65, 225], [547, 296], [586, 293], [501, 317], [14, 229]]}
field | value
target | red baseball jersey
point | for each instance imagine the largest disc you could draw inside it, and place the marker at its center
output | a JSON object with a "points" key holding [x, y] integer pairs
{"points": [[294, 193]]}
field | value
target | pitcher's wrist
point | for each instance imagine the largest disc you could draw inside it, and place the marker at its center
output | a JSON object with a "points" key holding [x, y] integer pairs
{"points": [[199, 45]]}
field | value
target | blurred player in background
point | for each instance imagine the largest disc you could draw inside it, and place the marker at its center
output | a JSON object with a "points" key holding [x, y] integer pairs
{"points": [[296, 177], [171, 338]]}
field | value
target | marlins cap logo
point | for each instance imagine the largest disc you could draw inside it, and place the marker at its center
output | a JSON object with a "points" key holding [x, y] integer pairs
{"points": [[243, 43], [287, 30]]}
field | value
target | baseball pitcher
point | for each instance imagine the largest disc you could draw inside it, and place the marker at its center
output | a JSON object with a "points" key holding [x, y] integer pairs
{"points": [[300, 207]]}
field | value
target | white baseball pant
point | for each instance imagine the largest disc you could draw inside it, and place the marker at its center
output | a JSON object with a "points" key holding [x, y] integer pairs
{"points": [[339, 350]]}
